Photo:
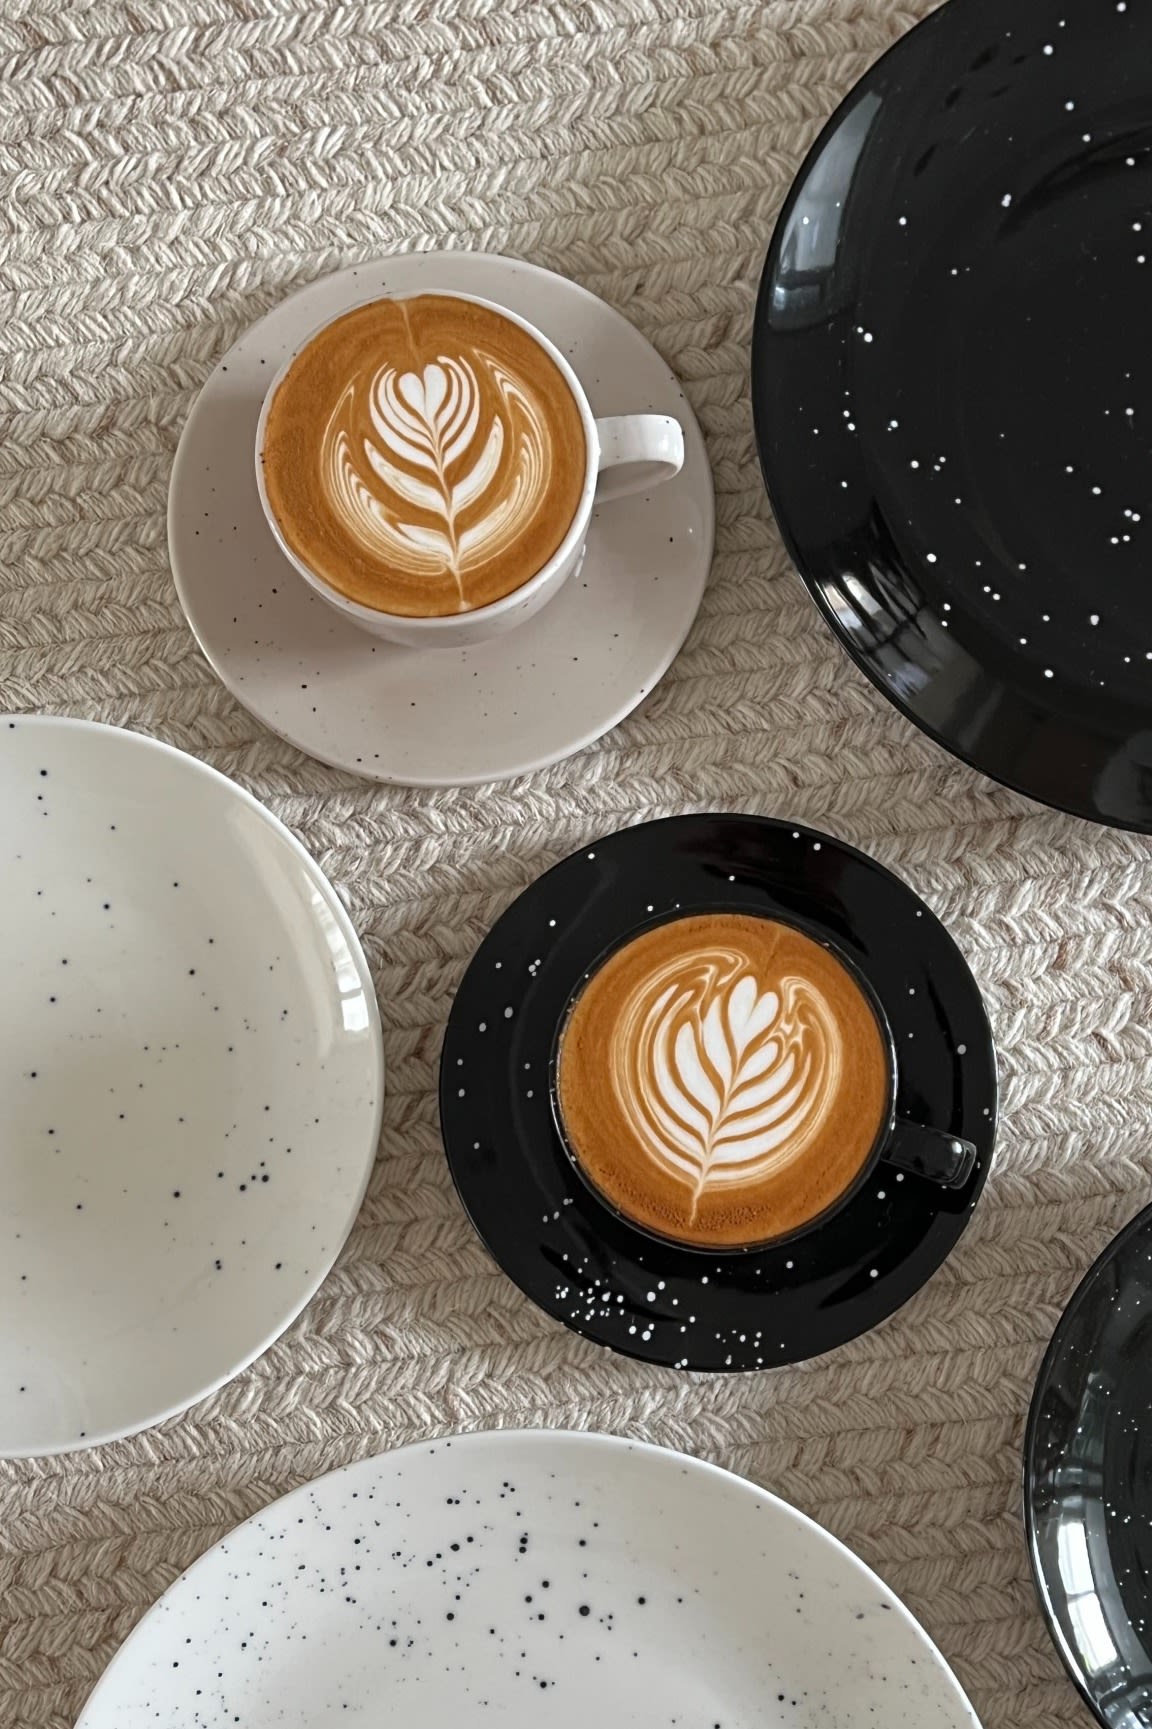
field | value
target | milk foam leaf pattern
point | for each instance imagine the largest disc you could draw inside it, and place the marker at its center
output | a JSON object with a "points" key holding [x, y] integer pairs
{"points": [[723, 1077], [447, 465]]}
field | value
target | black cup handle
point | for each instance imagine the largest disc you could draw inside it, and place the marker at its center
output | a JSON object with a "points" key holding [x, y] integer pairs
{"points": [[941, 1158]]}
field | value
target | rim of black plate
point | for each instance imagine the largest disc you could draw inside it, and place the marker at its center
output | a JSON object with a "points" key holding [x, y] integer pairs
{"points": [[1115, 1246], [936, 20]]}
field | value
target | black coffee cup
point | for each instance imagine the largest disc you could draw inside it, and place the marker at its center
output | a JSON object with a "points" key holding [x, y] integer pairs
{"points": [[910, 1148]]}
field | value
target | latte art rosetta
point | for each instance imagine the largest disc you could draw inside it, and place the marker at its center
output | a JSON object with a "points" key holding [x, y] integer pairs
{"points": [[724, 1081], [424, 455], [449, 473]]}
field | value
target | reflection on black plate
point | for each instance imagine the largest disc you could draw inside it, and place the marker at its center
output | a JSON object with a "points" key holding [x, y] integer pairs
{"points": [[588, 1267], [953, 390], [1088, 1482]]}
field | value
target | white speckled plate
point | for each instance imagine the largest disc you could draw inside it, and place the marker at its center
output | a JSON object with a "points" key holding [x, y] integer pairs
{"points": [[191, 1081], [529, 1579], [440, 717]]}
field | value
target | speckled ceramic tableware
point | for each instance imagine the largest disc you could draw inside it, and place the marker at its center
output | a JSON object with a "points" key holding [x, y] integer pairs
{"points": [[530, 1579], [191, 1081], [584, 1263], [625, 455], [1087, 1464], [440, 716], [952, 394]]}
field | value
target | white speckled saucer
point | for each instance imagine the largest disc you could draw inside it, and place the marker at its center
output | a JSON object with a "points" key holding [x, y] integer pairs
{"points": [[440, 717], [530, 1579], [191, 1082]]}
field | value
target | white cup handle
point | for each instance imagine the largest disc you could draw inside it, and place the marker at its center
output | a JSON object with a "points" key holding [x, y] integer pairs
{"points": [[637, 451]]}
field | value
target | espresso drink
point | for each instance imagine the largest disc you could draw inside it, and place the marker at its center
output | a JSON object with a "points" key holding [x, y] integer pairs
{"points": [[424, 456], [722, 1079]]}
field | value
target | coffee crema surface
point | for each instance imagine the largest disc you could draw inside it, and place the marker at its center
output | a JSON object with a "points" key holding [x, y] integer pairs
{"points": [[722, 1079], [424, 456]]}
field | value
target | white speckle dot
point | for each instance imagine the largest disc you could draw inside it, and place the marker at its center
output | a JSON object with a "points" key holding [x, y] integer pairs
{"points": [[1023, 641], [1096, 491], [507, 1014], [913, 463], [1047, 672], [873, 1272], [1069, 106], [483, 1026], [867, 336], [931, 558], [1093, 618], [961, 1050], [815, 846], [903, 221], [1006, 200], [892, 425]]}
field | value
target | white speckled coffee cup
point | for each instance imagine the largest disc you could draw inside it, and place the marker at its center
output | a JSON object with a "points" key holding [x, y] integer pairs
{"points": [[625, 454]]}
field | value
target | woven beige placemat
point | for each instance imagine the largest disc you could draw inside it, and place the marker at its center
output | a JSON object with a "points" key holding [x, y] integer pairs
{"points": [[169, 169]]}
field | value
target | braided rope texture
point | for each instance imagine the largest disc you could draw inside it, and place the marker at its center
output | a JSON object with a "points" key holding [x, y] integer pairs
{"points": [[169, 169]]}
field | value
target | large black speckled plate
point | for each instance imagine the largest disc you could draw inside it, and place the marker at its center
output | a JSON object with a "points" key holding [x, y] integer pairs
{"points": [[585, 1264], [1088, 1482], [952, 380], [534, 1581]]}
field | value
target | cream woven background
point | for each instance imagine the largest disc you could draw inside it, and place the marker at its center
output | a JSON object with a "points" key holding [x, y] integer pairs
{"points": [[169, 169]]}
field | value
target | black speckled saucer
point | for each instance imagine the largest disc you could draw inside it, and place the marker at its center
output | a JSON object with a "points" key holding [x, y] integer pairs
{"points": [[953, 390], [577, 1259]]}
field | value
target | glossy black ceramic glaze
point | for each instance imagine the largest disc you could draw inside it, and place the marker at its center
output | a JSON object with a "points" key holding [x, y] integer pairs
{"points": [[579, 1260], [1088, 1482], [953, 390]]}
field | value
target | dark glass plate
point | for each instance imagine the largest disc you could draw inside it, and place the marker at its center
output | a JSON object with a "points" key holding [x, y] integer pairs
{"points": [[591, 1269], [1088, 1482], [952, 382]]}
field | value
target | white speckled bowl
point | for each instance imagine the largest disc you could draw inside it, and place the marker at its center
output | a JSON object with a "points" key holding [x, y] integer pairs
{"points": [[530, 1579], [191, 1082]]}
